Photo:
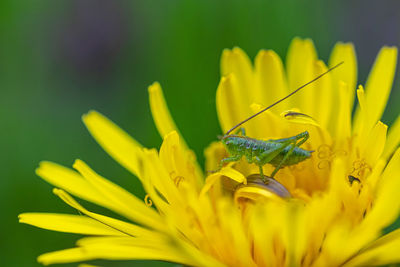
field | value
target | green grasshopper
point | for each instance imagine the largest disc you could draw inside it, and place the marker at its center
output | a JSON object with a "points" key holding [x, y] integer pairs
{"points": [[278, 152]]}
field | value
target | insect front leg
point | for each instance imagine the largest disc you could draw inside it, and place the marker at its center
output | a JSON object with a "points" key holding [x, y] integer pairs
{"points": [[241, 130], [229, 159], [260, 166]]}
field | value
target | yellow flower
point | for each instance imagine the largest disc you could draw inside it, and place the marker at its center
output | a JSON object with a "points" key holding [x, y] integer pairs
{"points": [[328, 210]]}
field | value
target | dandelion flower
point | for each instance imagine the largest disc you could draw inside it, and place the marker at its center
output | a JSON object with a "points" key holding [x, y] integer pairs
{"points": [[329, 210]]}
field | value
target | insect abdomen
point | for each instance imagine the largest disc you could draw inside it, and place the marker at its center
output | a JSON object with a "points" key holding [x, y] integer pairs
{"points": [[298, 155]]}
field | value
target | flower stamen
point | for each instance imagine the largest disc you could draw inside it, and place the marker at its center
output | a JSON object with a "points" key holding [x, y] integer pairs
{"points": [[148, 201]]}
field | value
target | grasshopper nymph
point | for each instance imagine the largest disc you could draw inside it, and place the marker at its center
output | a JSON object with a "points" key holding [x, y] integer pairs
{"points": [[278, 152]]}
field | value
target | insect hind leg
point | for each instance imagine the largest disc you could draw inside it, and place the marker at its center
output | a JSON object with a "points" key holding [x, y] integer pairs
{"points": [[303, 137]]}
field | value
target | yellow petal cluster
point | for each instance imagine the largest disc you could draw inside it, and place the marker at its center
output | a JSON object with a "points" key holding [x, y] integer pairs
{"points": [[329, 210]]}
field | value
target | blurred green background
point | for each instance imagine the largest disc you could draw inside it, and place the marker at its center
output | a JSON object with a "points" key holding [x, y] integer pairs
{"points": [[59, 59]]}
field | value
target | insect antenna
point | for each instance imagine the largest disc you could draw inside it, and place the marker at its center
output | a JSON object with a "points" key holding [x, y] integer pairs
{"points": [[280, 100]]}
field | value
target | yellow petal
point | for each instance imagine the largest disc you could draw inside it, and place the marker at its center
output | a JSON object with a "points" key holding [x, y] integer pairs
{"points": [[121, 226], [299, 64], [118, 240], [228, 172], [375, 144], [159, 109], [231, 105], [380, 82], [65, 256], [320, 95], [166, 245], [159, 182], [346, 73], [360, 126], [270, 79], [177, 162], [269, 235], [385, 239], [339, 233], [87, 265], [383, 251], [235, 239], [267, 125], [379, 85], [154, 185], [338, 183], [127, 204], [118, 252], [296, 225], [161, 178], [255, 193], [159, 248], [233, 174], [315, 220], [376, 173], [74, 183], [380, 215], [70, 181], [68, 223], [338, 236], [117, 143], [236, 62], [171, 154], [341, 125], [387, 196], [393, 139], [214, 153], [164, 121]]}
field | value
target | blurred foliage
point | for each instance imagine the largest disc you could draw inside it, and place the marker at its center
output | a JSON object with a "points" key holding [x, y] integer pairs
{"points": [[59, 59]]}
